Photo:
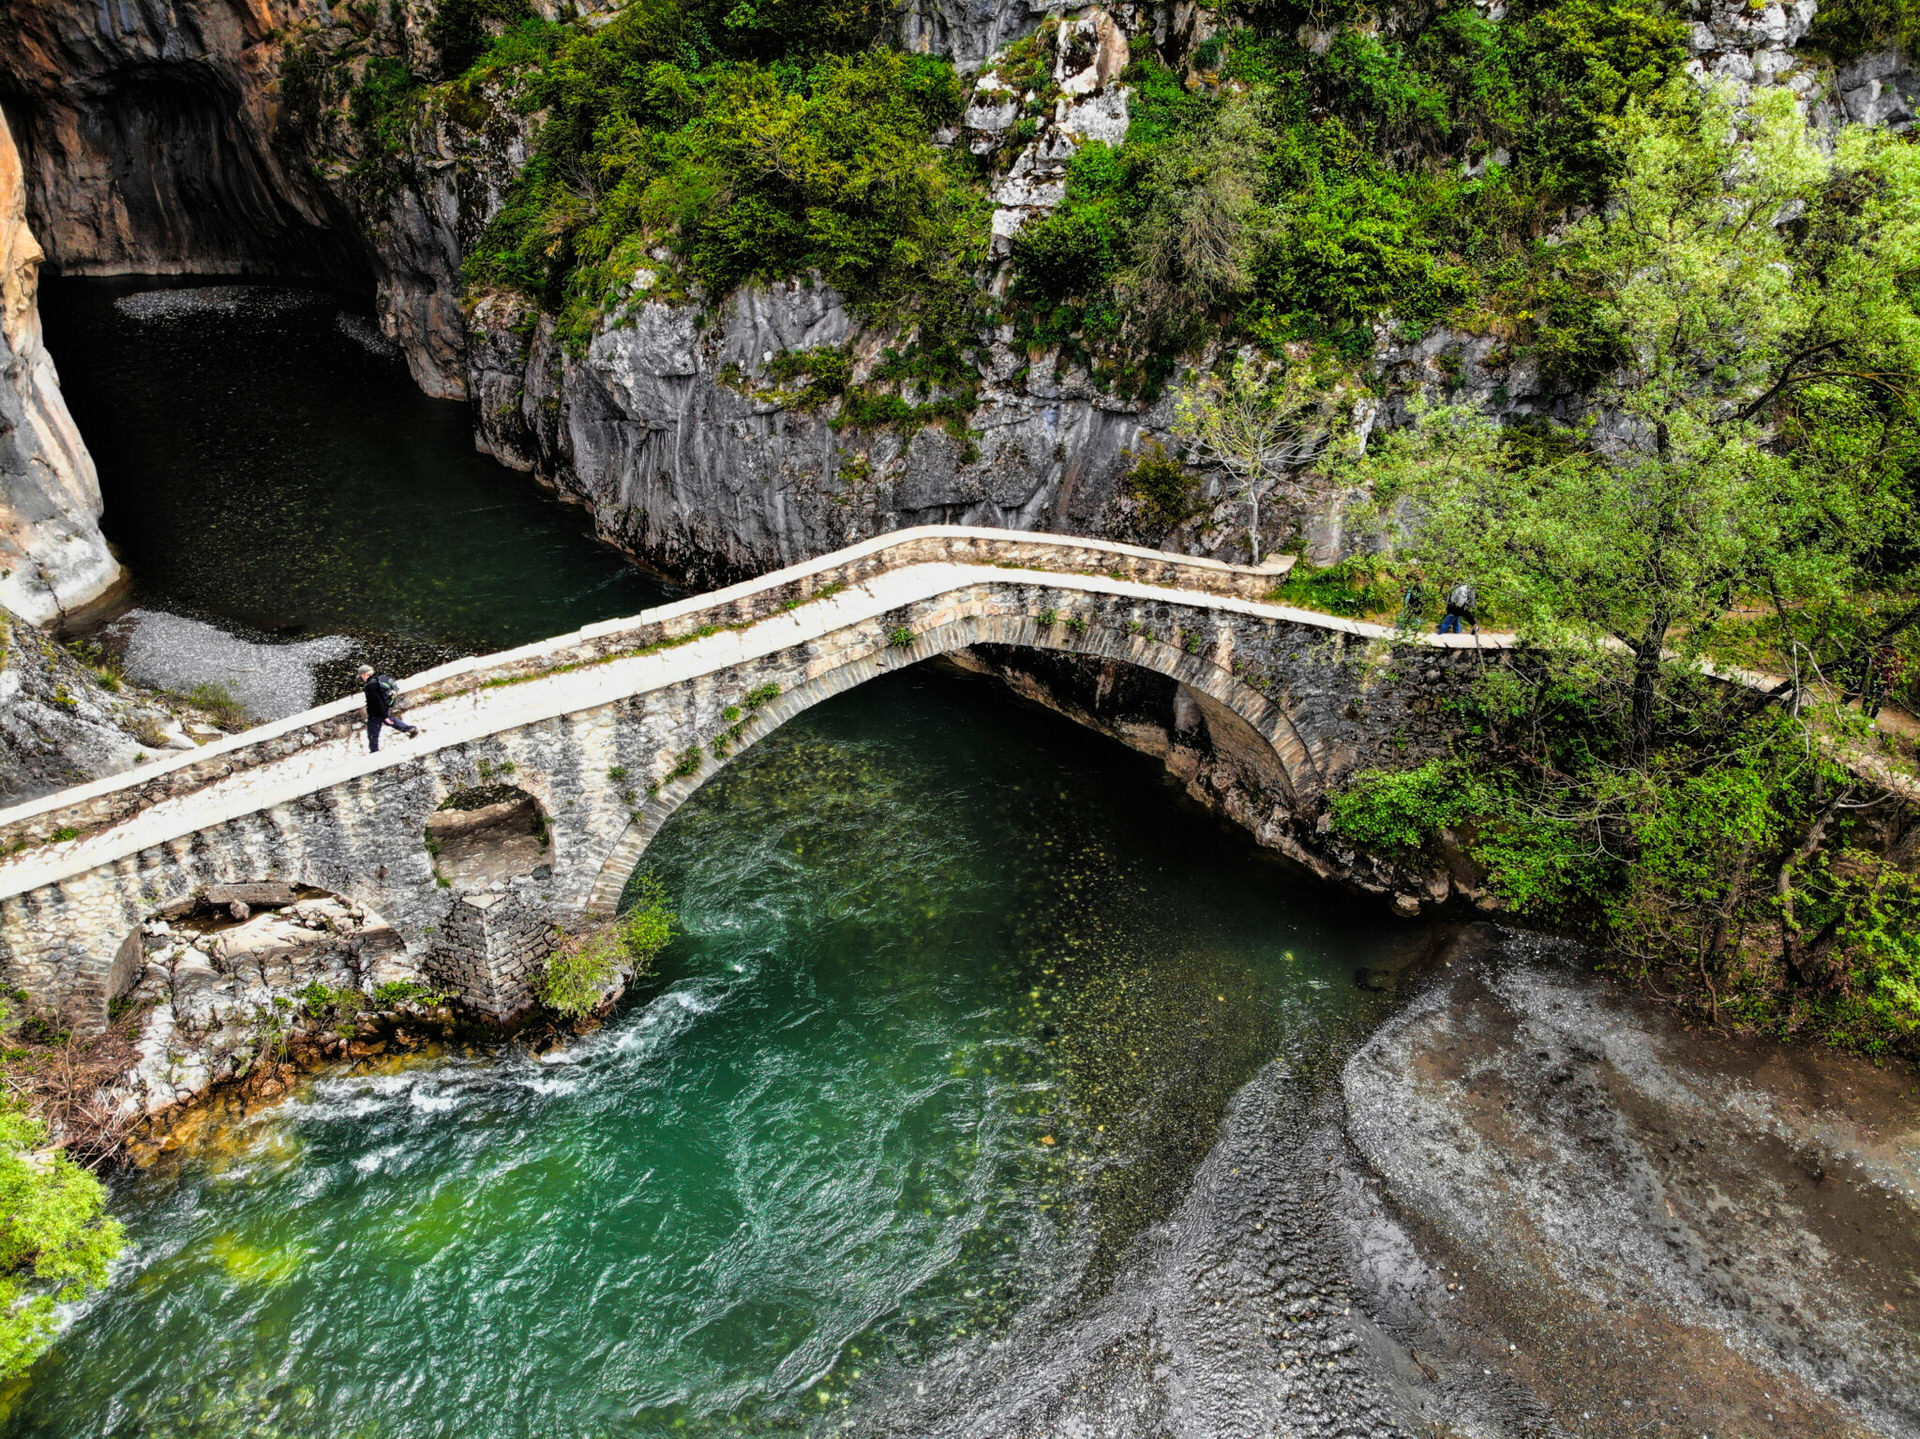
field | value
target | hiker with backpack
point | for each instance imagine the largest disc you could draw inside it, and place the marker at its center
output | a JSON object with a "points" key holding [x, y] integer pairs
{"points": [[1462, 601], [381, 694]]}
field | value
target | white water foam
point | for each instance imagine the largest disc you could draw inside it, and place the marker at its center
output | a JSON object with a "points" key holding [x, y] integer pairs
{"points": [[366, 334]]}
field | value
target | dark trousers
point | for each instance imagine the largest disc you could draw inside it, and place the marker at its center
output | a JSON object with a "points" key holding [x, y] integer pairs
{"points": [[1454, 619], [374, 727]]}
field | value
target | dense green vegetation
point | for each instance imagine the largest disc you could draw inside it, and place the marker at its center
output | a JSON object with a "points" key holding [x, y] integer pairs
{"points": [[1302, 195], [54, 1238], [1279, 191], [743, 169], [579, 973], [1765, 449], [1846, 29]]}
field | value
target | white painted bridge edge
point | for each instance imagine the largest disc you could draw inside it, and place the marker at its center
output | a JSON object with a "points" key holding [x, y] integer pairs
{"points": [[480, 712]]}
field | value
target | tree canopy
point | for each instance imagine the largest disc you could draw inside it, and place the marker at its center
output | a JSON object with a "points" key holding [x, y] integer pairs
{"points": [[1750, 448], [55, 1240]]}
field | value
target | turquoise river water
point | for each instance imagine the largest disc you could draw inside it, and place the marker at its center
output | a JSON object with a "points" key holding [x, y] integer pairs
{"points": [[958, 999]]}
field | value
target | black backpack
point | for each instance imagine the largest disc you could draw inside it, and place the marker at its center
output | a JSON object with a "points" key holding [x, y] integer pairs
{"points": [[388, 690]]}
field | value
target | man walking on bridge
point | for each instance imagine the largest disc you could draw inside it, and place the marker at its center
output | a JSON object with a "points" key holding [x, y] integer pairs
{"points": [[381, 693], [1463, 604]]}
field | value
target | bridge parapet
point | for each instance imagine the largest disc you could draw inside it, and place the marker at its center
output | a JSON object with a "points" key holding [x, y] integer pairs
{"points": [[103, 803], [609, 729]]}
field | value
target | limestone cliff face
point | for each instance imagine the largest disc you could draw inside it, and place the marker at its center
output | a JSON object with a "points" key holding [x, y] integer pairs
{"points": [[672, 430], [156, 142], [53, 558], [967, 31], [149, 129], [687, 451]]}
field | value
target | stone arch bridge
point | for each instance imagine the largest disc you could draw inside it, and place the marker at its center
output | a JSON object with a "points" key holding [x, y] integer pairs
{"points": [[612, 727]]}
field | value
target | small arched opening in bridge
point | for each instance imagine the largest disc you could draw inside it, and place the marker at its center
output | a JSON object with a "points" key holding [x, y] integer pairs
{"points": [[488, 835]]}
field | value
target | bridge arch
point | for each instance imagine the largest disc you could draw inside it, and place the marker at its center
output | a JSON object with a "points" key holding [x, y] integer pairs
{"points": [[1301, 776], [489, 833], [585, 722]]}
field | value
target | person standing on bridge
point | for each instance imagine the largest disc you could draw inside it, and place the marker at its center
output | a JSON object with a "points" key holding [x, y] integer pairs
{"points": [[381, 692], [1463, 604]]}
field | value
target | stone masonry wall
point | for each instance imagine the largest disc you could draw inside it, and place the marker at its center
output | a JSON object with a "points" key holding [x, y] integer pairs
{"points": [[609, 748], [490, 950]]}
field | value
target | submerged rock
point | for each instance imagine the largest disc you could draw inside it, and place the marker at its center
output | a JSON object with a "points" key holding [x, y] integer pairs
{"points": [[1528, 1205]]}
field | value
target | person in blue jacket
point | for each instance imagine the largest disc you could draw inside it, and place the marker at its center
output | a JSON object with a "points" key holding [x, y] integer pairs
{"points": [[1463, 604]]}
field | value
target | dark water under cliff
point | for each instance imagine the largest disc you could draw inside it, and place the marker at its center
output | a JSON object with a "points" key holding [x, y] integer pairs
{"points": [[267, 463]]}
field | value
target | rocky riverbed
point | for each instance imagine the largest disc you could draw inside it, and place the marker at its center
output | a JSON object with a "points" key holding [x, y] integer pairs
{"points": [[1628, 1226], [1530, 1205], [1527, 1204]]}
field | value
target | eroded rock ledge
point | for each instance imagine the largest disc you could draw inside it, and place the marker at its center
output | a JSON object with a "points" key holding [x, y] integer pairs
{"points": [[1560, 1204]]}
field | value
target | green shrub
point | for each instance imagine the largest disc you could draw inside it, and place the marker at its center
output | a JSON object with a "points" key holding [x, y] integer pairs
{"points": [[827, 371], [747, 170], [1846, 29], [584, 967], [901, 637], [398, 992], [384, 108], [55, 1238], [42, 1029], [1401, 812], [220, 705], [461, 30], [1072, 252], [1165, 492], [1351, 587]]}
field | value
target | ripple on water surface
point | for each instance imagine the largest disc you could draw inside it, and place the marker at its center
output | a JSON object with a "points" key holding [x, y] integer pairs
{"points": [[958, 1002]]}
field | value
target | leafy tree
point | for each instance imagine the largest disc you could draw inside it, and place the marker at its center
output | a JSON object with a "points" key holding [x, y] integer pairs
{"points": [[1205, 226], [1164, 490], [1848, 28], [580, 971], [1257, 427], [55, 1240], [1755, 436], [1753, 440]]}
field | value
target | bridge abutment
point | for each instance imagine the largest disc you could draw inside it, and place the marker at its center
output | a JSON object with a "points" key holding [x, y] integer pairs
{"points": [[490, 951]]}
